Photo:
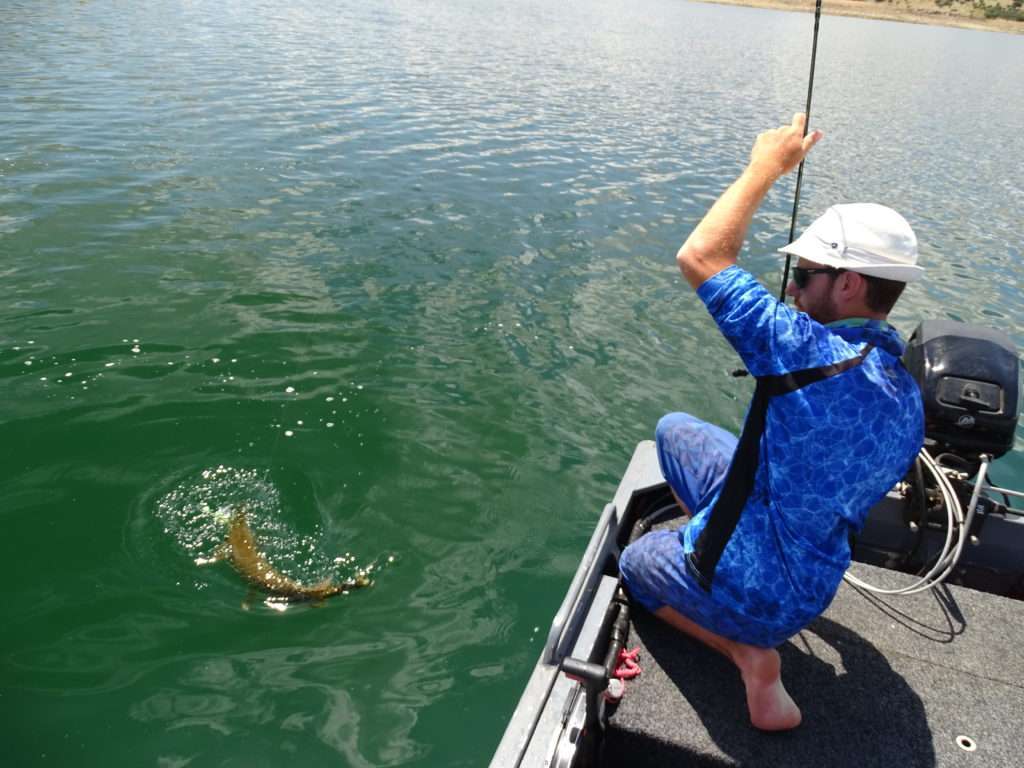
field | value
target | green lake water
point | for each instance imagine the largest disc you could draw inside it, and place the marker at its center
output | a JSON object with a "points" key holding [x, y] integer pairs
{"points": [[399, 276]]}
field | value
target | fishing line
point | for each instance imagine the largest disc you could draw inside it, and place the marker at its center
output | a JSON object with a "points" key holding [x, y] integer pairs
{"points": [[800, 172], [277, 441], [277, 437]]}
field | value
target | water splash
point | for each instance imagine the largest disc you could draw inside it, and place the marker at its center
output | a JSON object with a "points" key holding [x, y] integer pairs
{"points": [[197, 514], [197, 511]]}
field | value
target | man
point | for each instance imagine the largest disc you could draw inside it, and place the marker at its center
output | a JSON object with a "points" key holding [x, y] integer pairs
{"points": [[835, 422]]}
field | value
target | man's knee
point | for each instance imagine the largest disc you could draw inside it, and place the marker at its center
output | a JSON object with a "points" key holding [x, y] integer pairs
{"points": [[673, 427]]}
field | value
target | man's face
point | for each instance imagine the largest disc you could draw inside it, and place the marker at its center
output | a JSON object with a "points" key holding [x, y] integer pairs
{"points": [[815, 298]]}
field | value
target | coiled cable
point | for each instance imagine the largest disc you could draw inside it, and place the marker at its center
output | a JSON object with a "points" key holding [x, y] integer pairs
{"points": [[954, 543]]}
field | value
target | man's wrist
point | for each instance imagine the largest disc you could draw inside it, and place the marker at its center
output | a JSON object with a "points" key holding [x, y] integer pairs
{"points": [[760, 177]]}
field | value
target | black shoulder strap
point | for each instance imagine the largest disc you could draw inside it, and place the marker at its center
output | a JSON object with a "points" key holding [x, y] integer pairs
{"points": [[739, 480]]}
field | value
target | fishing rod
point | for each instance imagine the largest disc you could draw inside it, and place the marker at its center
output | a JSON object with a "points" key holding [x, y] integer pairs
{"points": [[800, 172]]}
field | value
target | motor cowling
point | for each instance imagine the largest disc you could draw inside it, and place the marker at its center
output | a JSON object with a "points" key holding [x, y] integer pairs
{"points": [[970, 384]]}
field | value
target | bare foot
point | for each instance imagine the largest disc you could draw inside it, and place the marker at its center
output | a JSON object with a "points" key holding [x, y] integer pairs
{"points": [[771, 708], [770, 705]]}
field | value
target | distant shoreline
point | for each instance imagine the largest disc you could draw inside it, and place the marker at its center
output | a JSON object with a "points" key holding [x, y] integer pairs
{"points": [[911, 11]]}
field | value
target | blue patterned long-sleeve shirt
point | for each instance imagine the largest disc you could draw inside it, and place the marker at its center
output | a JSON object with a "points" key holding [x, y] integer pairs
{"points": [[829, 451]]}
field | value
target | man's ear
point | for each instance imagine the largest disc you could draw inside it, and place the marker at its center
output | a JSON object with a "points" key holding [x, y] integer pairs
{"points": [[853, 286]]}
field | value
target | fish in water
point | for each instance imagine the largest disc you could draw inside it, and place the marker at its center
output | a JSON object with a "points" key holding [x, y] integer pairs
{"points": [[241, 550]]}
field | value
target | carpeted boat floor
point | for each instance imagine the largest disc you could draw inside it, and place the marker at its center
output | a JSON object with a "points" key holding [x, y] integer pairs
{"points": [[894, 681]]}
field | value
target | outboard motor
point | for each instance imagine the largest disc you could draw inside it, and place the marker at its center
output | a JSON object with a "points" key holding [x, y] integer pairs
{"points": [[969, 377], [970, 385]]}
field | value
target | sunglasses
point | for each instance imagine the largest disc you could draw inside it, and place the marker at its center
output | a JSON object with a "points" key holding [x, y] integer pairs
{"points": [[803, 275]]}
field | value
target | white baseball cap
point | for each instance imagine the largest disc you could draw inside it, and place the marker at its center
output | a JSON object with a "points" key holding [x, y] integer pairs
{"points": [[861, 237]]}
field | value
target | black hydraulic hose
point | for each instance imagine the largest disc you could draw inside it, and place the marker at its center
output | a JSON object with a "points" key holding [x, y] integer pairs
{"points": [[619, 634], [800, 171], [922, 516]]}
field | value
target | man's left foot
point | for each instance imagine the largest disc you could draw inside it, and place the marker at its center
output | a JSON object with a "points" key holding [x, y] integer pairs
{"points": [[770, 705]]}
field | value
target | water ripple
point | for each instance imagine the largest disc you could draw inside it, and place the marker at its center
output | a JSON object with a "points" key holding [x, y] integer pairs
{"points": [[411, 265]]}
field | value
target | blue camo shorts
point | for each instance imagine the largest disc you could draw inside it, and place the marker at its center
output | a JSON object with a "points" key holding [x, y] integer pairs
{"points": [[694, 458]]}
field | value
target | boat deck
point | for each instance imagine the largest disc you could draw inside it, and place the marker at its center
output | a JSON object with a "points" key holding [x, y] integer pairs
{"points": [[893, 681]]}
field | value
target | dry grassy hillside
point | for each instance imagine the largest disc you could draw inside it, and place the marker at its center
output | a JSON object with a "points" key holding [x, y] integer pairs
{"points": [[995, 15]]}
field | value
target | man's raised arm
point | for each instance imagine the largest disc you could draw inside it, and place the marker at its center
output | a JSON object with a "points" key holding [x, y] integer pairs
{"points": [[716, 241]]}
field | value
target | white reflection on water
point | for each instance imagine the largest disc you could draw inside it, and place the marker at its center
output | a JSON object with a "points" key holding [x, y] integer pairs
{"points": [[296, 694]]}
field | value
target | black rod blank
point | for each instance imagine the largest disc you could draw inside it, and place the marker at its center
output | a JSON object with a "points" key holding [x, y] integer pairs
{"points": [[800, 171]]}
